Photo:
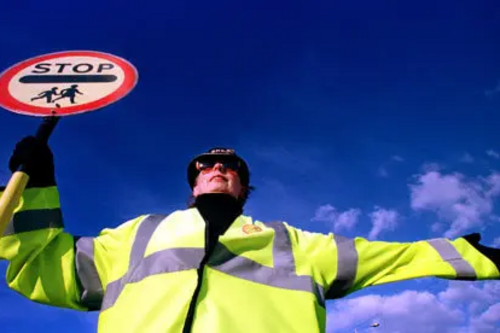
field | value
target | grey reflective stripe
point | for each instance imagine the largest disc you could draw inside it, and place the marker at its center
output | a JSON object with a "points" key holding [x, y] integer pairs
{"points": [[142, 237], [284, 265], [37, 219], [282, 247], [282, 275], [227, 262], [347, 266], [146, 229], [165, 261], [113, 290], [448, 253], [92, 291]]}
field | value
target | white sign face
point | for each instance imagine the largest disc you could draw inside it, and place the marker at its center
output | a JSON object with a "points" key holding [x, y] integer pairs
{"points": [[66, 82]]}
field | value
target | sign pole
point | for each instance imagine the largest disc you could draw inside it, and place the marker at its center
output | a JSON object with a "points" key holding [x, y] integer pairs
{"points": [[9, 199]]}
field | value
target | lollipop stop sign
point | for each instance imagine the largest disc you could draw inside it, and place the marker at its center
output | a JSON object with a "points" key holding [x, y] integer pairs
{"points": [[66, 83], [55, 85]]}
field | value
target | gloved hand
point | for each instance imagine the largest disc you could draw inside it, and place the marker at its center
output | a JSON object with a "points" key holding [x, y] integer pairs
{"points": [[35, 159], [492, 253]]}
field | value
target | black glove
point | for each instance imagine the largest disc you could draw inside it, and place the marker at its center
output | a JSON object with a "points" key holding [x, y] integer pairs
{"points": [[492, 253], [35, 159]]}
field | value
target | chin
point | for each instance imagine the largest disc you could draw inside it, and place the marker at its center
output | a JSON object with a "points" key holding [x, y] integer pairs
{"points": [[219, 191]]}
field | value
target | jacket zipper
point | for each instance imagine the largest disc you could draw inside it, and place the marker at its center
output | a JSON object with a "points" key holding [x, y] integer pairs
{"points": [[188, 324], [192, 305]]}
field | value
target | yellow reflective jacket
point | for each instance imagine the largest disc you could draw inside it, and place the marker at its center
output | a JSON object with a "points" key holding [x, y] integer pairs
{"points": [[261, 277]]}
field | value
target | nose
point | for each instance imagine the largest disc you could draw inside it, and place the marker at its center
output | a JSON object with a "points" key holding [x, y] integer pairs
{"points": [[220, 167]]}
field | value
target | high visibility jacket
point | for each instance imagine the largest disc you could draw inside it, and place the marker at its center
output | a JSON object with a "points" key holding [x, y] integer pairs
{"points": [[261, 277]]}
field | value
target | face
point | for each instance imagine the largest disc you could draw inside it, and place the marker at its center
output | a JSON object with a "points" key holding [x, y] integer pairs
{"points": [[218, 179]]}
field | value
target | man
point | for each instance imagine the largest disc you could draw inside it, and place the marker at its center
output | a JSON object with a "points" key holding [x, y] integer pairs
{"points": [[207, 268]]}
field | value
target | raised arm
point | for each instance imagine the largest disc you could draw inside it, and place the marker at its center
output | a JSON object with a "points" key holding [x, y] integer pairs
{"points": [[46, 264], [50, 266]]}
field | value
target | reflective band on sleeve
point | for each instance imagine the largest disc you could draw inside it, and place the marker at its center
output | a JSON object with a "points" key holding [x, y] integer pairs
{"points": [[347, 265], [448, 253], [92, 291], [31, 220]]}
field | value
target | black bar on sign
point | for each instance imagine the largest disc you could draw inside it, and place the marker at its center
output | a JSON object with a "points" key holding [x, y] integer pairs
{"points": [[67, 78]]}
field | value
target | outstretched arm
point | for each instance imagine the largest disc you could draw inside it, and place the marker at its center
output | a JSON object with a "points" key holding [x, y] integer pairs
{"points": [[384, 262], [345, 265]]}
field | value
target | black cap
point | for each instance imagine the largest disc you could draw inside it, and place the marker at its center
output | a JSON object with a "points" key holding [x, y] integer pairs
{"points": [[219, 153]]}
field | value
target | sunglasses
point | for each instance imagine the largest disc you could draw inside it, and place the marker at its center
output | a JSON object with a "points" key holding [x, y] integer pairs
{"points": [[206, 166]]}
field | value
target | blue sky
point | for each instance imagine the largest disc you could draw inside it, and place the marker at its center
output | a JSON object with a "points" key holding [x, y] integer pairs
{"points": [[373, 119]]}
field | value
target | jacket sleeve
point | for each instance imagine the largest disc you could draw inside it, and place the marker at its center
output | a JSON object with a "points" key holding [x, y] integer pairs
{"points": [[344, 265], [49, 266]]}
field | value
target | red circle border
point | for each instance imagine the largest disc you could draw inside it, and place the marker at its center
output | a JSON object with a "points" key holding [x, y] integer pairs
{"points": [[10, 103]]}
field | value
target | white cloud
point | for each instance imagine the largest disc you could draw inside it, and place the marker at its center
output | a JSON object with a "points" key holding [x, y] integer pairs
{"points": [[459, 202], [467, 307], [325, 213], [397, 158], [382, 219], [409, 312], [339, 221], [493, 181], [348, 219], [492, 153], [487, 321], [480, 301], [478, 297]]}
